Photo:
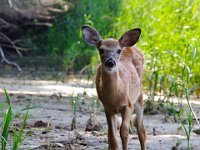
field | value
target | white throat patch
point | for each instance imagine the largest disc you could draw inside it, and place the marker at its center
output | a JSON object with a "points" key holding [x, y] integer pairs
{"points": [[110, 70]]}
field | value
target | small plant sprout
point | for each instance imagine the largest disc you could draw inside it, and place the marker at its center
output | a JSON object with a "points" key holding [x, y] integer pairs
{"points": [[186, 73], [74, 104]]}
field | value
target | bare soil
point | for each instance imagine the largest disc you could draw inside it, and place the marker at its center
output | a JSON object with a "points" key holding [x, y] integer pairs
{"points": [[51, 113]]}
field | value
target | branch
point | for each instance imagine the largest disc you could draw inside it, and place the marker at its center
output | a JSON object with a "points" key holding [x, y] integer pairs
{"points": [[19, 48], [38, 24], [4, 59], [3, 21], [6, 24], [83, 69], [29, 15], [53, 5], [13, 44], [10, 3]]}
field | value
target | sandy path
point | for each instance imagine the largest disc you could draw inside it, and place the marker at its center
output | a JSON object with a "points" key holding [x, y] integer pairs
{"points": [[51, 101]]}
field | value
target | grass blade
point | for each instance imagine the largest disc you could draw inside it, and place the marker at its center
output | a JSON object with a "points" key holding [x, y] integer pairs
{"points": [[7, 121], [18, 136]]}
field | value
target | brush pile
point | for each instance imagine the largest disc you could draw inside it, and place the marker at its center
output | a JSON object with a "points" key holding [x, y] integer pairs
{"points": [[17, 17]]}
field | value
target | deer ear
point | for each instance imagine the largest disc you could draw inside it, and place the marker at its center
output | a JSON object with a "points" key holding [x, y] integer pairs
{"points": [[91, 36], [130, 37]]}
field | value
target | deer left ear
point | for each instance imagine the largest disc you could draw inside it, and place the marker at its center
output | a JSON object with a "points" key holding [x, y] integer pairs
{"points": [[130, 37], [91, 35]]}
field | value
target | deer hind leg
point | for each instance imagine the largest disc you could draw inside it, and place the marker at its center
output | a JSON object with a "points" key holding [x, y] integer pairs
{"points": [[124, 129], [112, 130], [139, 122]]}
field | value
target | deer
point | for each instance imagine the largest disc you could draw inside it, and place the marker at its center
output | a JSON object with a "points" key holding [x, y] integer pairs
{"points": [[118, 84]]}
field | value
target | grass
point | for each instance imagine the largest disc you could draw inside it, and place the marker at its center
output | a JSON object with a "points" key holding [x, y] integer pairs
{"points": [[186, 79], [18, 135], [75, 103], [181, 85], [7, 120]]}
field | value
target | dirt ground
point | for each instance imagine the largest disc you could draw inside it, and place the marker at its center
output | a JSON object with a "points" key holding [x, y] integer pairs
{"points": [[50, 117]]}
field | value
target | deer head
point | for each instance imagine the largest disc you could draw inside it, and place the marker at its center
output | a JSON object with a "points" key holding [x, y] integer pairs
{"points": [[110, 49]]}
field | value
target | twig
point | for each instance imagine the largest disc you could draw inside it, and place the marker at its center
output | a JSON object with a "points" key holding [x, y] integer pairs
{"points": [[33, 16], [4, 59], [11, 42], [52, 5], [55, 10], [83, 69], [20, 48], [38, 24], [18, 41], [43, 5], [3, 21], [6, 24], [10, 3]]}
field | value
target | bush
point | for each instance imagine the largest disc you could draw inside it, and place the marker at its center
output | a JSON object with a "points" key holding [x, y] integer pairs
{"points": [[166, 26], [65, 37]]}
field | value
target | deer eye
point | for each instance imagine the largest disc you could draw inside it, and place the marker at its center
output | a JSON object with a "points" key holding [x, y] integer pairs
{"points": [[119, 51], [101, 51]]}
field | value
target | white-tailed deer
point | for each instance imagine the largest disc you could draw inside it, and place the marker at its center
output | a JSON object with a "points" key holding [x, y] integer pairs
{"points": [[118, 83]]}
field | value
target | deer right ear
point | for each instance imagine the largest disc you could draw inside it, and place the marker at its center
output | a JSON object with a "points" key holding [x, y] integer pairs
{"points": [[91, 36], [130, 37]]}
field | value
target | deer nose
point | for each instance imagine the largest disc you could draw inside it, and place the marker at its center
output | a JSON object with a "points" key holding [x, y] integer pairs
{"points": [[110, 63]]}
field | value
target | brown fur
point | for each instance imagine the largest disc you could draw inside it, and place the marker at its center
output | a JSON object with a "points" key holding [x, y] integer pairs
{"points": [[119, 83], [111, 89], [122, 89], [109, 43]]}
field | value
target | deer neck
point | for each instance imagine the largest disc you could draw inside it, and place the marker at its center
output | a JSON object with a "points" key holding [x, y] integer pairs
{"points": [[110, 80]]}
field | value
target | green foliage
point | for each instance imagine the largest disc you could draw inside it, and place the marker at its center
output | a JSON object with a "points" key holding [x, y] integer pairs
{"points": [[65, 37], [187, 63], [165, 25]]}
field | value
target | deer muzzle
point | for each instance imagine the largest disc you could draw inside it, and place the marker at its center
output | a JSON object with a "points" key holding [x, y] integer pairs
{"points": [[110, 63]]}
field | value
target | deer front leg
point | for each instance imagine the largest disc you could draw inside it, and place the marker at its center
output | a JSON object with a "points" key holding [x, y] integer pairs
{"points": [[112, 129], [124, 129]]}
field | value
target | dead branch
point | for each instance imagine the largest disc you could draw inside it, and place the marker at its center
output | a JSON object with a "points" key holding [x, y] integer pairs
{"points": [[83, 70], [19, 48], [16, 20], [6, 24], [10, 3], [4, 59], [31, 16], [42, 5], [10, 41], [3, 21], [38, 24]]}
